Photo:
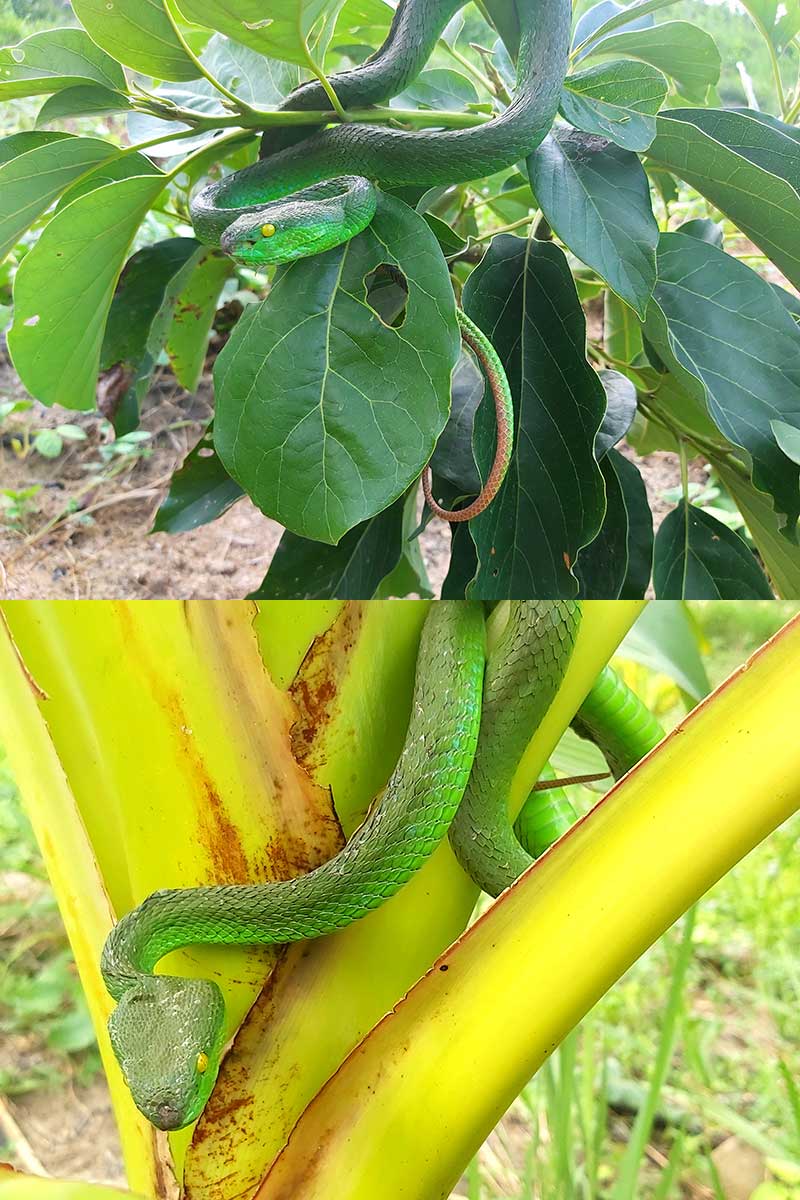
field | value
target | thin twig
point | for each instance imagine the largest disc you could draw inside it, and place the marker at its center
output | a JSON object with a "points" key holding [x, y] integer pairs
{"points": [[20, 1145]]}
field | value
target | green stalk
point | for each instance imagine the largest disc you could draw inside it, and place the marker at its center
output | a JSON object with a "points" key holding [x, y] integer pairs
{"points": [[239, 105], [627, 1180], [664, 1187]]}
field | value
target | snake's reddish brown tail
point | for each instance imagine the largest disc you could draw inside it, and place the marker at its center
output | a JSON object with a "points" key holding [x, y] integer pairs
{"points": [[493, 368]]}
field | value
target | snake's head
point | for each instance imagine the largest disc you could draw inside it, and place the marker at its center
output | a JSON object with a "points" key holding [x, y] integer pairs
{"points": [[290, 233], [167, 1036]]}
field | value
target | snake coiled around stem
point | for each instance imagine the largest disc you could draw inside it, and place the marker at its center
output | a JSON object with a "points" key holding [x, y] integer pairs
{"points": [[470, 724], [308, 197]]}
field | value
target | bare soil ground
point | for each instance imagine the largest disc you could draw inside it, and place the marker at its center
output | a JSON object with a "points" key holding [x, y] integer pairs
{"points": [[103, 548]]}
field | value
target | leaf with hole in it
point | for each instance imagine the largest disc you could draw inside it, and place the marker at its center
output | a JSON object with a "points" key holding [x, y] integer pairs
{"points": [[283, 31], [618, 100], [551, 505], [137, 33], [31, 182], [699, 558], [55, 59], [352, 570], [195, 307], [618, 563], [748, 167], [325, 413], [729, 340], [64, 286], [679, 49], [597, 199], [200, 491]]}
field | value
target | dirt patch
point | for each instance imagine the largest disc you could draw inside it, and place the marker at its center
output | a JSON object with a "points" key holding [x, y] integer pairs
{"points": [[70, 1131], [88, 539]]}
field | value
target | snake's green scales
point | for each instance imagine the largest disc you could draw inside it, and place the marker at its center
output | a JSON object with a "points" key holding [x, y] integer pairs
{"points": [[464, 733], [311, 196]]}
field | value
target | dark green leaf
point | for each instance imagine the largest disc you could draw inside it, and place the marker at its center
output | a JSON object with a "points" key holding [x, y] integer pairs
{"points": [[620, 411], [596, 198], [137, 33], [683, 51], [640, 528], [699, 558], [450, 241], [55, 59], [704, 229], [324, 413], [64, 287], [504, 15], [618, 100], [617, 564], [714, 321], [454, 459], [746, 167], [463, 564], [199, 492], [142, 311], [780, 557], [551, 505], [31, 182], [353, 570], [789, 300]]}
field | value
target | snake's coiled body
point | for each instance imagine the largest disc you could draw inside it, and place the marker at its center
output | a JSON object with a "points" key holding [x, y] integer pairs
{"points": [[309, 196], [163, 1026], [167, 1031], [230, 211]]}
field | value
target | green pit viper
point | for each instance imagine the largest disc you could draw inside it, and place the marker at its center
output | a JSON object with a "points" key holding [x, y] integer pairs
{"points": [[470, 723], [308, 197]]}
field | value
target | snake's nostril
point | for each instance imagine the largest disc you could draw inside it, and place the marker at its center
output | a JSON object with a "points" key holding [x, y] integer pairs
{"points": [[168, 1117]]}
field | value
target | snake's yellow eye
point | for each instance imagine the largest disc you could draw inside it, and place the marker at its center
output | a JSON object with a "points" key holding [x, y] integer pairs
{"points": [[268, 230], [202, 1063]]}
